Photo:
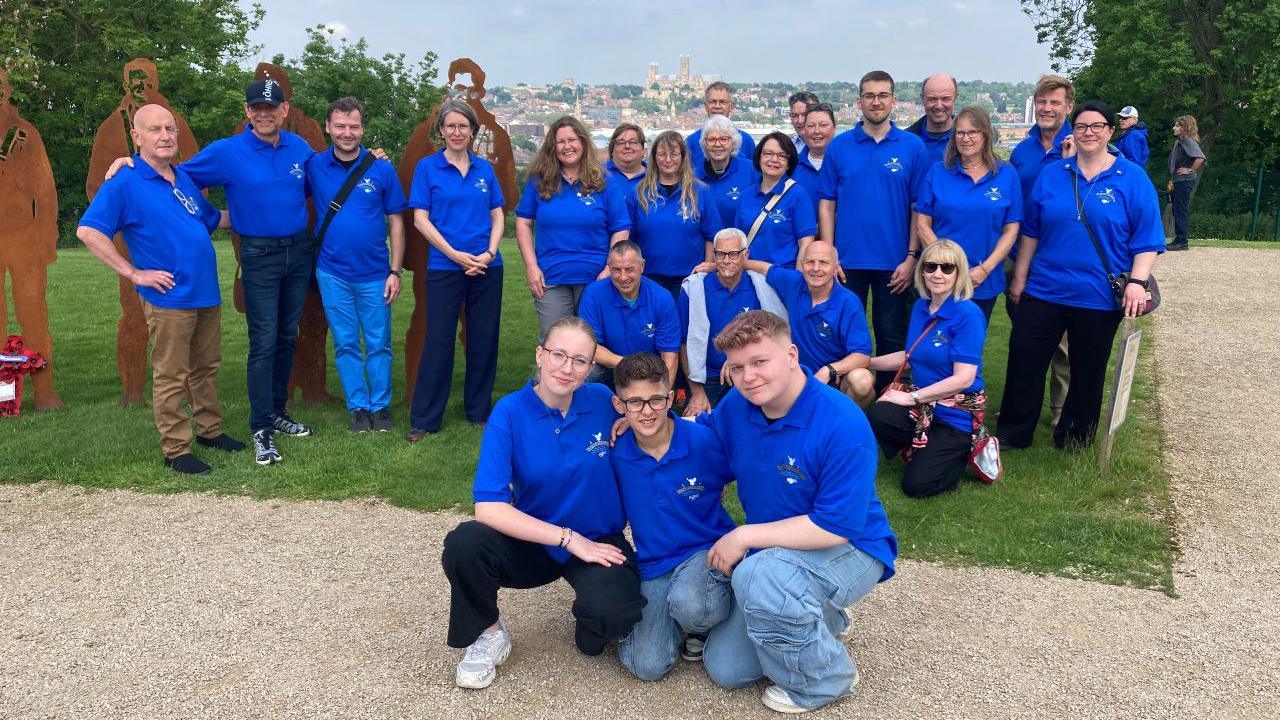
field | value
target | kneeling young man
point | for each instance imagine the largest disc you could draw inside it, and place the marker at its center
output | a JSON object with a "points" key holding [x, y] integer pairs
{"points": [[805, 461], [671, 474]]}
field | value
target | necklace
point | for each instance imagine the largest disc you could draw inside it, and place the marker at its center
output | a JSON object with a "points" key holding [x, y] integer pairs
{"points": [[1087, 192]]}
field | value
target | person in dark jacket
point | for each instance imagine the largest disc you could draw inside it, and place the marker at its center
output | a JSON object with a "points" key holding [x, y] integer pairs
{"points": [[1133, 143], [938, 96]]}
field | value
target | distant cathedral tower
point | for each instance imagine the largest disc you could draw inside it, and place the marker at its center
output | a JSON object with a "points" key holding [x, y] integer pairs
{"points": [[684, 68], [653, 75]]}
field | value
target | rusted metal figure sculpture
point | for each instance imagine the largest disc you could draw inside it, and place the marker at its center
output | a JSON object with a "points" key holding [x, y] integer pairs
{"points": [[309, 366], [492, 143], [141, 87], [28, 235]]}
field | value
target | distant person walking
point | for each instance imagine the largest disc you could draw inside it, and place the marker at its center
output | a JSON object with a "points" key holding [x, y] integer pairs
{"points": [[1185, 162], [1133, 143]]}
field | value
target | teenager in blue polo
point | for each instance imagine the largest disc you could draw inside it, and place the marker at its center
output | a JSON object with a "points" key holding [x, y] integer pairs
{"points": [[577, 213], [358, 277], [673, 216], [547, 507], [791, 223], [870, 177], [457, 206], [975, 200], [1061, 284], [816, 537], [671, 474], [723, 169], [630, 313]]}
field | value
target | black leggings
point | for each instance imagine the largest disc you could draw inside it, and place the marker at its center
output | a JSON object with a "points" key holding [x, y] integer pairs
{"points": [[932, 469]]}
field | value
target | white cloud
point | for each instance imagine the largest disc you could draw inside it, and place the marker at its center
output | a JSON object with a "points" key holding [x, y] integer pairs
{"points": [[338, 29], [963, 8], [918, 22]]}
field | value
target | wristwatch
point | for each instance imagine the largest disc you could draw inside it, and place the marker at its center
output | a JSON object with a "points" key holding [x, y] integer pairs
{"points": [[1146, 284], [915, 396], [914, 253], [397, 273]]}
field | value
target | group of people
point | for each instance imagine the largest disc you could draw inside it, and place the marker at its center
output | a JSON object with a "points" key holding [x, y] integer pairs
{"points": [[739, 271]]}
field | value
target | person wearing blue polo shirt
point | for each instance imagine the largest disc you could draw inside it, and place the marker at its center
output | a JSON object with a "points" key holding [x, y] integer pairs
{"points": [[816, 538], [577, 213], [457, 206], [1062, 285], [717, 100], [870, 178], [827, 321], [166, 224], [819, 129], [547, 507], [776, 234], [626, 156], [798, 105], [671, 475], [725, 172], [709, 299], [945, 338], [630, 313], [673, 216], [975, 200], [938, 95]]}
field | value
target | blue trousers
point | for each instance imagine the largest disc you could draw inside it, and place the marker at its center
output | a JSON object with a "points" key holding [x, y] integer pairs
{"points": [[276, 279], [785, 619], [889, 311], [358, 311], [692, 597]]}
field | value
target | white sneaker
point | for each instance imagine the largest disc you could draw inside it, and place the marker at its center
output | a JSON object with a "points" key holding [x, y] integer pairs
{"points": [[480, 665], [778, 700], [847, 632]]}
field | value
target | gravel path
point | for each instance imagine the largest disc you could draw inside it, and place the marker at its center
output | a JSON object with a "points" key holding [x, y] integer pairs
{"points": [[119, 605]]}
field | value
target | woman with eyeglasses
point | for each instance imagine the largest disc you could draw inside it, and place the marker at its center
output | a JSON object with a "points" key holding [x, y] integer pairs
{"points": [[546, 507], [568, 218], [673, 216], [776, 213], [974, 200], [457, 206], [819, 129], [934, 422], [626, 156], [727, 174], [1089, 219], [1185, 161]]}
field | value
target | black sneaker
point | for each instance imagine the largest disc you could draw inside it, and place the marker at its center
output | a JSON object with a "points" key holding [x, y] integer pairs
{"points": [[1174, 247], [264, 448], [221, 442], [188, 464], [381, 420], [360, 421], [287, 425], [691, 649]]}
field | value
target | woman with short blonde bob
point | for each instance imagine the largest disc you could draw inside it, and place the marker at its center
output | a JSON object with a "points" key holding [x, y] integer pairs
{"points": [[934, 422]]}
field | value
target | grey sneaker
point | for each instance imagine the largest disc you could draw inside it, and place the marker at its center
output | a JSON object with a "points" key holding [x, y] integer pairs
{"points": [[360, 421], [480, 665], [287, 425], [691, 649], [264, 448], [380, 420]]}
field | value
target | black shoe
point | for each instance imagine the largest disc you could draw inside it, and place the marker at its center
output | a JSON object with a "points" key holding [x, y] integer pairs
{"points": [[287, 425], [264, 448], [691, 648], [381, 420], [188, 464], [221, 442], [360, 421], [1173, 247]]}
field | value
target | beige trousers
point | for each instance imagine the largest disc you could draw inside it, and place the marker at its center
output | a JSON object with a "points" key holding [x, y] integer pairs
{"points": [[186, 351]]}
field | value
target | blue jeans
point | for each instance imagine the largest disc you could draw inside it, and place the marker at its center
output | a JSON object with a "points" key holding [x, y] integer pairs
{"points": [[693, 597], [355, 309], [276, 279], [889, 311], [785, 619]]}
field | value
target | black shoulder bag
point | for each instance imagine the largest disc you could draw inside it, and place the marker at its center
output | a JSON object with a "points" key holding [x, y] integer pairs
{"points": [[343, 193], [1117, 282]]}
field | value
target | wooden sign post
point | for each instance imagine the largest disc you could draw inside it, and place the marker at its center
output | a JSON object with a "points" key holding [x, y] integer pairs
{"points": [[1126, 366]]}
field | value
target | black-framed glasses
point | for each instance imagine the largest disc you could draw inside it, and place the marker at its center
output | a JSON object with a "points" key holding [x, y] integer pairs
{"points": [[1095, 128], [872, 97], [946, 268], [557, 358], [657, 403], [726, 254]]}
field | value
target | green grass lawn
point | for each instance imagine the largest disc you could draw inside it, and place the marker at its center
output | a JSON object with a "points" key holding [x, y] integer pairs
{"points": [[1051, 514]]}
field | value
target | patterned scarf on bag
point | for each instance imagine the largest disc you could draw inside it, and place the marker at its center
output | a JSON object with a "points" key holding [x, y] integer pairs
{"points": [[975, 403]]}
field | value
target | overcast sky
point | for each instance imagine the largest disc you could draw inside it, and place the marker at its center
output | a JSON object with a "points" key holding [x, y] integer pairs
{"points": [[610, 41]]}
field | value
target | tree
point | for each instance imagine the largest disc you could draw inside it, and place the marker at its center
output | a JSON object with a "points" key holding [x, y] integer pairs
{"points": [[623, 92]]}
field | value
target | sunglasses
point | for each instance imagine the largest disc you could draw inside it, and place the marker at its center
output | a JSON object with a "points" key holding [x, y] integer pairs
{"points": [[946, 268]]}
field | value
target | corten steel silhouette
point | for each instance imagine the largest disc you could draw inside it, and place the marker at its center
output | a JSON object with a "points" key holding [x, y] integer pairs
{"points": [[309, 368], [141, 87], [492, 143], [28, 235]]}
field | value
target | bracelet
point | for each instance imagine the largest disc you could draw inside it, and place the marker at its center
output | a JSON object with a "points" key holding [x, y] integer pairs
{"points": [[566, 535]]}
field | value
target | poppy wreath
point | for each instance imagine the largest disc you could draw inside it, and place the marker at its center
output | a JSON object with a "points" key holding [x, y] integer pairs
{"points": [[15, 363]]}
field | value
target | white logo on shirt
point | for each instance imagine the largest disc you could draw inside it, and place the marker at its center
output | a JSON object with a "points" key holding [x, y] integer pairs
{"points": [[587, 200], [648, 330], [1106, 196], [482, 185], [691, 489], [734, 193], [776, 217], [297, 171], [598, 447], [790, 472], [938, 339], [746, 308], [367, 186], [894, 166], [993, 194]]}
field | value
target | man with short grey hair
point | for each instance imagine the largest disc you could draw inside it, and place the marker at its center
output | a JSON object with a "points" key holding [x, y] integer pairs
{"points": [[938, 94], [718, 100]]}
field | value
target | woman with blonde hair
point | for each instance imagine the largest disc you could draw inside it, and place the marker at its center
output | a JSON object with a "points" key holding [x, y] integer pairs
{"points": [[935, 422], [577, 215], [1185, 161]]}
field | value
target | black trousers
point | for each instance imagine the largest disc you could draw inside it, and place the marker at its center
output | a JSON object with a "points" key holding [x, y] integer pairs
{"points": [[1181, 199], [932, 469], [1037, 330], [448, 291], [479, 560]]}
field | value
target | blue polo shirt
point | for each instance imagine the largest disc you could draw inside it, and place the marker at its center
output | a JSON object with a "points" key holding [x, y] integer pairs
{"points": [[649, 324], [827, 332], [738, 178], [973, 214], [616, 177], [778, 241], [723, 305], [572, 229], [935, 148], [873, 185], [162, 232], [355, 245], [696, 156], [957, 338], [673, 504], [554, 467], [807, 175], [1029, 157], [265, 184], [458, 206], [1124, 212], [818, 460], [673, 242]]}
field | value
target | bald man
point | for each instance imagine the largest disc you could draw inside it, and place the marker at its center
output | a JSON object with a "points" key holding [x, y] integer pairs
{"points": [[166, 224], [938, 95]]}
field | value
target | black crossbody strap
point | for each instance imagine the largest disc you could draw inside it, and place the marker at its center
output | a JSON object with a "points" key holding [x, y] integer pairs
{"points": [[343, 193], [1075, 187]]}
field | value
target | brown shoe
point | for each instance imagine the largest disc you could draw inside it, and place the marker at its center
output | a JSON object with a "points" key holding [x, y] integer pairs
{"points": [[416, 434]]}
